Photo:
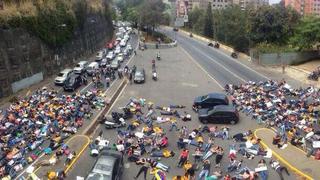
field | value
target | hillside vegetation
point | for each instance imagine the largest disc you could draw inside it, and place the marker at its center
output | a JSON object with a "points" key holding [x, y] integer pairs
{"points": [[53, 21]]}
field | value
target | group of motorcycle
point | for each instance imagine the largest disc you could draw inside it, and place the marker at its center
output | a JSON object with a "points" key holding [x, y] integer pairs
{"points": [[314, 75], [117, 120], [154, 71]]}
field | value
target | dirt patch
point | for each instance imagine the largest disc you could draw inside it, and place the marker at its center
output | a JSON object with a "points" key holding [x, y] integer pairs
{"points": [[309, 66]]}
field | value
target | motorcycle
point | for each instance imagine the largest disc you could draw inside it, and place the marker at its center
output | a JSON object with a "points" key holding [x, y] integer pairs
{"points": [[116, 124], [191, 35], [234, 55], [158, 57], [154, 76]]}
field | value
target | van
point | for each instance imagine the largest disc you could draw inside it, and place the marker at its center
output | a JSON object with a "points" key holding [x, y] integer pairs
{"points": [[81, 67], [92, 67]]}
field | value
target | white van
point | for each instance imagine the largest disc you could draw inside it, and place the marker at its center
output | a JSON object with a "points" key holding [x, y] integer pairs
{"points": [[92, 67], [81, 67]]}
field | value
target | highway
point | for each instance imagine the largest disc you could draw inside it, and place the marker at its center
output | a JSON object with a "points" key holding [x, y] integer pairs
{"points": [[221, 66]]}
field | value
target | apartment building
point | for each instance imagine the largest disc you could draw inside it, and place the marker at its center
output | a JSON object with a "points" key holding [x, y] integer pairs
{"points": [[304, 7]]}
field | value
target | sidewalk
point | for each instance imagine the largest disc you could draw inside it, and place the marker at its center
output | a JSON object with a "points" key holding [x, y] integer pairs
{"points": [[293, 157]]}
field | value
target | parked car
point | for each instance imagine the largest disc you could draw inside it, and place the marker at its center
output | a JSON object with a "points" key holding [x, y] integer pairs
{"points": [[109, 166], [110, 55], [115, 64], [129, 47], [120, 57], [123, 43], [100, 55], [210, 100], [81, 67], [103, 63], [221, 114], [118, 50], [92, 67], [139, 76], [175, 29], [62, 76], [72, 83]]}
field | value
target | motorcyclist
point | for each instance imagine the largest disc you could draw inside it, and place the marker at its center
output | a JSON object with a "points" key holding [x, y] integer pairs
{"points": [[158, 55], [154, 75]]}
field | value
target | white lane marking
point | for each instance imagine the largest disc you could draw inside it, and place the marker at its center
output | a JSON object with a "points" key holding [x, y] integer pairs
{"points": [[34, 162], [190, 84], [221, 53], [81, 90], [206, 72], [117, 97]]}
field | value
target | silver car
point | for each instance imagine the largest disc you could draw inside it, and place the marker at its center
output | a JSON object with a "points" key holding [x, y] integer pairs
{"points": [[139, 76], [109, 166]]}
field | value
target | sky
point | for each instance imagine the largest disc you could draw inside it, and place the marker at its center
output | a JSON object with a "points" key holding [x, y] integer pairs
{"points": [[274, 1]]}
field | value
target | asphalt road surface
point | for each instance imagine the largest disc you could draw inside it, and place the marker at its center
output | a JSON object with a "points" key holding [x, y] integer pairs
{"points": [[180, 80]]}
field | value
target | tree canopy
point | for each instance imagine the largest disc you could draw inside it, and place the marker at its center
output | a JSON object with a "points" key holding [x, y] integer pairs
{"points": [[208, 22]]}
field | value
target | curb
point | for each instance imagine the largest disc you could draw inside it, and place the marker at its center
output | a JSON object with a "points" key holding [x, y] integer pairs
{"points": [[301, 70], [94, 125], [306, 176]]}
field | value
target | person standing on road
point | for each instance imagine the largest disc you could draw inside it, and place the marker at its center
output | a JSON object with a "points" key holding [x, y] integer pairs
{"points": [[120, 73], [276, 166], [143, 169], [107, 82], [130, 77]]}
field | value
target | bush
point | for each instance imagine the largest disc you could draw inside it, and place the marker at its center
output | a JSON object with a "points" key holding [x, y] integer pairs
{"points": [[271, 48]]}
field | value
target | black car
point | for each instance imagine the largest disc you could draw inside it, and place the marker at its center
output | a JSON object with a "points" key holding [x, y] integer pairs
{"points": [[210, 100], [175, 29], [109, 166], [72, 83], [220, 114], [139, 76]]}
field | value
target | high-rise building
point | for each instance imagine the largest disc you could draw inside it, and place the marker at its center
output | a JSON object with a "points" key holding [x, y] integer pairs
{"points": [[183, 7], [216, 4], [250, 3], [304, 7]]}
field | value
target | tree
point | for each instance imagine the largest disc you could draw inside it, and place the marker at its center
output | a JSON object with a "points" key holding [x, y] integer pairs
{"points": [[208, 24], [231, 26], [307, 33], [273, 24], [194, 16], [151, 12]]}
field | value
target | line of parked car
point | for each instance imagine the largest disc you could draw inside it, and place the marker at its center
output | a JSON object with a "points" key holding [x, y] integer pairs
{"points": [[113, 55], [215, 108]]}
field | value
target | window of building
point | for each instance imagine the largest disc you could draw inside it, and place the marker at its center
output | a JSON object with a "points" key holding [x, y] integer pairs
{"points": [[225, 0]]}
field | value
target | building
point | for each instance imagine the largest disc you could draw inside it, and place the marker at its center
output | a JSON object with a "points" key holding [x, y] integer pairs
{"points": [[183, 7], [304, 7], [216, 4], [250, 3]]}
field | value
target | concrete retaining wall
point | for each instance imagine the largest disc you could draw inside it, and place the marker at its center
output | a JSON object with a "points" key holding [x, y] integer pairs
{"points": [[160, 46], [27, 82], [22, 54], [287, 58]]}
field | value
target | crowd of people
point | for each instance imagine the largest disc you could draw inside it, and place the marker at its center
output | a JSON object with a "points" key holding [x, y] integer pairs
{"points": [[39, 124], [294, 112], [146, 143]]}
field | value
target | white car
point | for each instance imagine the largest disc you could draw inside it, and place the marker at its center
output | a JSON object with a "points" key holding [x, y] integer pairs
{"points": [[123, 43], [118, 39], [129, 47], [118, 50], [62, 76], [120, 57], [81, 67], [99, 55], [110, 55]]}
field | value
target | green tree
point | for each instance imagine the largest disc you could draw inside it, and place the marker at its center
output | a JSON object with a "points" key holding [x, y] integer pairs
{"points": [[194, 17], [151, 12], [307, 33], [272, 24], [208, 24], [231, 27]]}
